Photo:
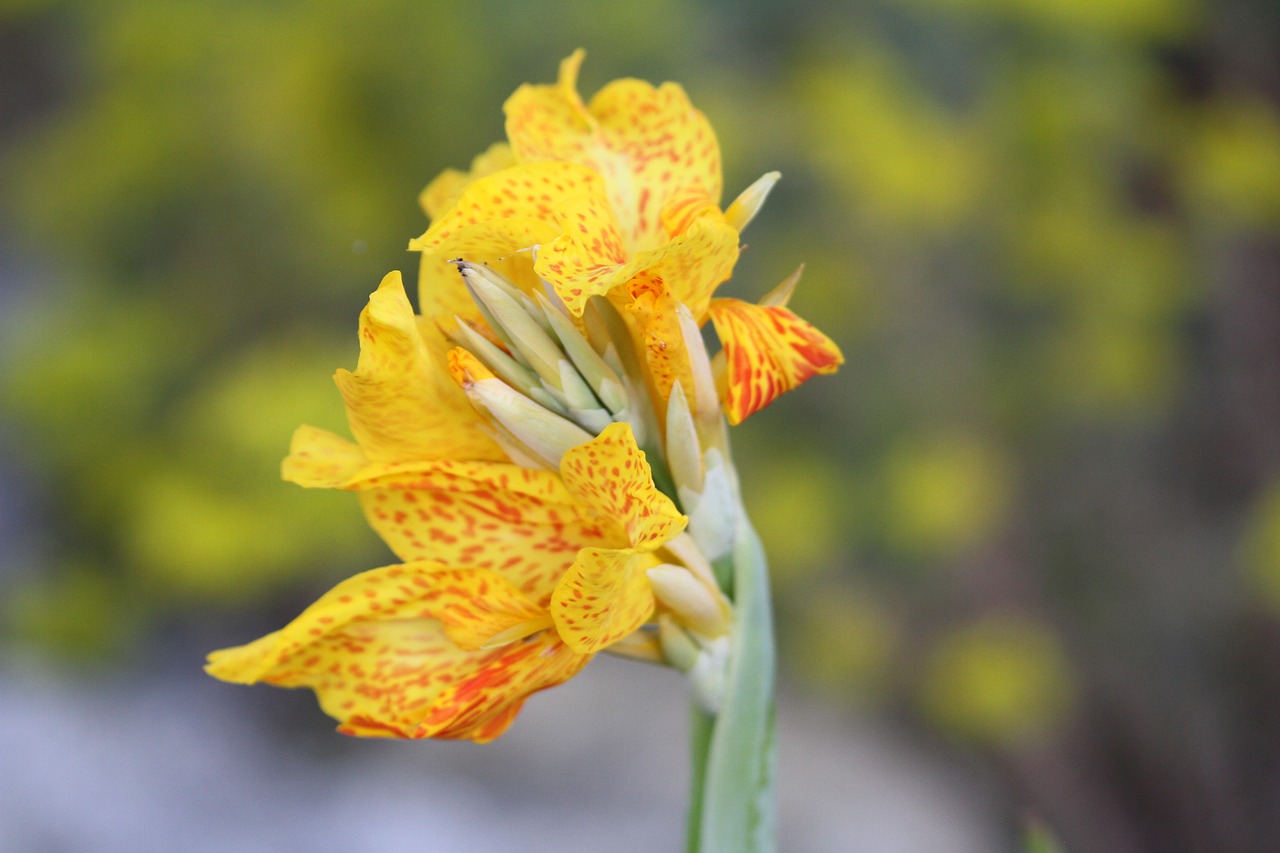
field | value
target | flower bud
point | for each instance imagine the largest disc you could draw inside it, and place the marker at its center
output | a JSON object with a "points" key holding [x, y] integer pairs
{"points": [[690, 601], [748, 204]]}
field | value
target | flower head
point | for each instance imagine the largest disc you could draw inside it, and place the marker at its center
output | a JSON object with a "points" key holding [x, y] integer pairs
{"points": [[542, 446]]}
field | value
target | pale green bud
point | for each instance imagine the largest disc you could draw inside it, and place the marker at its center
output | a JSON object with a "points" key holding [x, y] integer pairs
{"points": [[748, 204], [694, 604], [546, 434]]}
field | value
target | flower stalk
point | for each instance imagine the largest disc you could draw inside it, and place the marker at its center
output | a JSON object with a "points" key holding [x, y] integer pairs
{"points": [[733, 803]]}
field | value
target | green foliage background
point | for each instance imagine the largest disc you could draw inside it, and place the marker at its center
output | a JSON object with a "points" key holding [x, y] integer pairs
{"points": [[1036, 516]]}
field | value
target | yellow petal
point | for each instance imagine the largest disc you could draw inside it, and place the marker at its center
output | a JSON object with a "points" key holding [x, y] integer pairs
{"points": [[687, 205], [521, 522], [647, 142], [319, 459], [611, 476], [768, 350], [493, 479], [587, 258], [694, 263], [450, 183], [653, 313], [401, 402], [496, 221], [495, 613], [604, 597], [529, 542], [515, 522], [377, 656], [507, 211], [480, 706], [586, 261]]}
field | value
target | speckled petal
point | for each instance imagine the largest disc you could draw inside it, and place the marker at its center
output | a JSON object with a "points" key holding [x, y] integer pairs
{"points": [[449, 184], [653, 312], [694, 263], [604, 597], [768, 350], [319, 459], [497, 220], [647, 142], [686, 206], [530, 542], [588, 257], [507, 211], [482, 705], [519, 521], [377, 656], [401, 402], [610, 475], [490, 478]]}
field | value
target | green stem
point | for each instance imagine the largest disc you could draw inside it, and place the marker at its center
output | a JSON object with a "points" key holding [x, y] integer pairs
{"points": [[732, 802]]}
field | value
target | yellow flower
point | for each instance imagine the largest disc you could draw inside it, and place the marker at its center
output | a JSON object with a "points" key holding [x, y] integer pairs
{"points": [[512, 576], [498, 435], [619, 197], [552, 571]]}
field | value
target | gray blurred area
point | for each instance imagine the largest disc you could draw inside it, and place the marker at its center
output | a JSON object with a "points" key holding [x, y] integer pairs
{"points": [[169, 763]]}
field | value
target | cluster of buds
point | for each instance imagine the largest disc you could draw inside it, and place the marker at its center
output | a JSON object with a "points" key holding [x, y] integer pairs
{"points": [[547, 382]]}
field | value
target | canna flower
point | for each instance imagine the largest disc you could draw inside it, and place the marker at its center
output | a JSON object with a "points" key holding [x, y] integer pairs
{"points": [[542, 447], [553, 570], [513, 576], [619, 198]]}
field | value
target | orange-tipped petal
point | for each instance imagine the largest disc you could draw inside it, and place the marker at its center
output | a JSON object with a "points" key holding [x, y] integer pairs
{"points": [[377, 656], [768, 350], [604, 597], [482, 705], [401, 402], [611, 476], [648, 143]]}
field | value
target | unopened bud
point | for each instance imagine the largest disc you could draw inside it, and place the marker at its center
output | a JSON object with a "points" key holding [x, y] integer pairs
{"points": [[684, 453], [592, 368], [706, 401], [546, 434], [510, 312], [691, 601], [680, 650], [707, 678], [781, 295], [507, 368], [713, 512], [748, 204]]}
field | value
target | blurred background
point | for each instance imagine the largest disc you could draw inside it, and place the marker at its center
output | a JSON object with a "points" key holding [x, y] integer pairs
{"points": [[1026, 543]]}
